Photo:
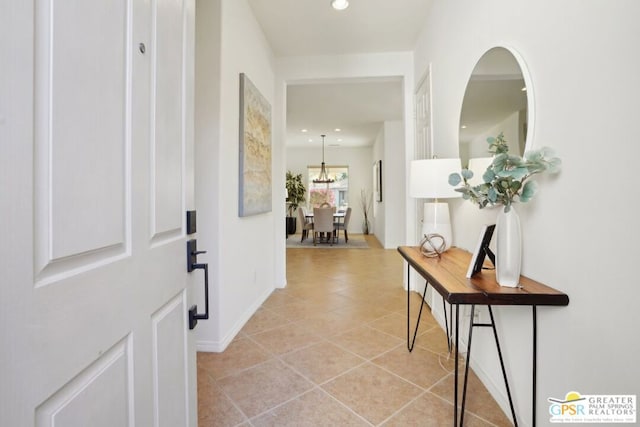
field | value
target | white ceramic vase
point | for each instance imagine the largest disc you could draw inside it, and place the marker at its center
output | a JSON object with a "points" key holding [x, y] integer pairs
{"points": [[508, 248]]}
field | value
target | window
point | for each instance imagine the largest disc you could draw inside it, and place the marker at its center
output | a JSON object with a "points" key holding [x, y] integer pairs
{"points": [[335, 193]]}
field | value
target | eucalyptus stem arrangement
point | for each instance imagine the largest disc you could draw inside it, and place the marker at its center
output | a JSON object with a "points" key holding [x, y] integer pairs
{"points": [[366, 201], [508, 176]]}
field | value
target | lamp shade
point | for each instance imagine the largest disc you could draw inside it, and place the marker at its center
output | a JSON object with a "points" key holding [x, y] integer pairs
{"points": [[429, 178], [478, 166]]}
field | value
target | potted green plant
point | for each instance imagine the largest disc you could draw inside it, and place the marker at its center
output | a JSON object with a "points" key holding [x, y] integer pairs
{"points": [[507, 177], [296, 195], [505, 181]]}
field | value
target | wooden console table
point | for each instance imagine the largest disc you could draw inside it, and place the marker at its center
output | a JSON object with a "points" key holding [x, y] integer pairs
{"points": [[447, 275]]}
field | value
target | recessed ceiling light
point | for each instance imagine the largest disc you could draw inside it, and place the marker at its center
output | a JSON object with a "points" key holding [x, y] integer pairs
{"points": [[339, 4], [524, 89], [463, 126], [303, 131], [337, 129]]}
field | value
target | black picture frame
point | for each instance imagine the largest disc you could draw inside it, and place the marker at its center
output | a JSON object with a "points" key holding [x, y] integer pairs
{"points": [[482, 251]]}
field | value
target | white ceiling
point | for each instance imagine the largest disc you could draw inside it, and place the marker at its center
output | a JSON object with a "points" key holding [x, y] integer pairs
{"points": [[357, 108], [312, 27]]}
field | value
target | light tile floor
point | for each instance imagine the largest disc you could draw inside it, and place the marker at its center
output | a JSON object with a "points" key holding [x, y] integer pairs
{"points": [[330, 350]]}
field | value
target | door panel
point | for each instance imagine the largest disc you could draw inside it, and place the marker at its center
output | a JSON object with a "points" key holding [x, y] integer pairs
{"points": [[169, 370], [80, 133], [168, 135], [94, 295], [107, 382], [85, 121]]}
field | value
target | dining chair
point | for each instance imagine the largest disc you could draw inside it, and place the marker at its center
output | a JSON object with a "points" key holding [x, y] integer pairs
{"points": [[343, 226], [305, 224], [323, 223]]}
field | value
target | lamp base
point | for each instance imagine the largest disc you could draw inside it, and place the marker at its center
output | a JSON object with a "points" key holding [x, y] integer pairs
{"points": [[436, 220]]}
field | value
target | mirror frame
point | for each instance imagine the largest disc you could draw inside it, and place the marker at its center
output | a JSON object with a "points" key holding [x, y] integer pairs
{"points": [[526, 75]]}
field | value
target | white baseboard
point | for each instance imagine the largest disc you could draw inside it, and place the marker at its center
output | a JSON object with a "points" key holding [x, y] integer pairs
{"points": [[220, 346], [497, 391]]}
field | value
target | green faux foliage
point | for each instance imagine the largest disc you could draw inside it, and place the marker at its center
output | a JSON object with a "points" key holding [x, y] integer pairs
{"points": [[507, 177], [296, 192]]}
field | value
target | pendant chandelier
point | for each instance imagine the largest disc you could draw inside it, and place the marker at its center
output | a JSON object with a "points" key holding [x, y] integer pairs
{"points": [[323, 178]]}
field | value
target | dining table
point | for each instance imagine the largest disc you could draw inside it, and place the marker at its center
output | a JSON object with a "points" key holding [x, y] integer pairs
{"points": [[338, 216]]}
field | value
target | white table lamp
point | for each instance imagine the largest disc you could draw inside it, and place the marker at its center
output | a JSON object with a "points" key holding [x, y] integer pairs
{"points": [[478, 166], [429, 179]]}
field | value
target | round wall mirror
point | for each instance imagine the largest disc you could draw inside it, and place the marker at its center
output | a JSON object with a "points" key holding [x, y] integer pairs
{"points": [[496, 100]]}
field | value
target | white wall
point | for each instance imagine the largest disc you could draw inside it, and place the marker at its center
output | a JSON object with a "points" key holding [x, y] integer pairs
{"points": [[359, 161], [390, 214], [393, 185], [580, 232], [240, 250]]}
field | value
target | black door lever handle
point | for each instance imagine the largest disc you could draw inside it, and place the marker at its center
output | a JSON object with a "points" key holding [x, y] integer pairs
{"points": [[192, 255]]}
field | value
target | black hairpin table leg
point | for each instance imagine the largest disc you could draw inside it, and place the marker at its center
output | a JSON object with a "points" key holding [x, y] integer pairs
{"points": [[411, 342]]}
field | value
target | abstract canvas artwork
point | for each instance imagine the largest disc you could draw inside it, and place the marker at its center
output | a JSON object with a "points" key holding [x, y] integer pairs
{"points": [[255, 150]]}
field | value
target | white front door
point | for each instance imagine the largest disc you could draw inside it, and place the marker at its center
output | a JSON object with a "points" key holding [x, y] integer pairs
{"points": [[96, 175]]}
